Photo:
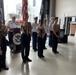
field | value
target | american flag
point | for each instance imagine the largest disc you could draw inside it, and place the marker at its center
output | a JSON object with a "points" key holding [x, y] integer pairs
{"points": [[25, 9]]}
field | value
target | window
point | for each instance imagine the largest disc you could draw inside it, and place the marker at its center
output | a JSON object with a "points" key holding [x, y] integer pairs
{"points": [[34, 2]]}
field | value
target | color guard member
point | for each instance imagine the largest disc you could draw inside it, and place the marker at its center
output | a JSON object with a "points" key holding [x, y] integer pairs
{"points": [[25, 41], [11, 25], [34, 33], [55, 36], [3, 48], [41, 34]]}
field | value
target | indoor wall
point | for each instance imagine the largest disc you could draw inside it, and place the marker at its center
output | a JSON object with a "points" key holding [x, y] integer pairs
{"points": [[65, 8]]}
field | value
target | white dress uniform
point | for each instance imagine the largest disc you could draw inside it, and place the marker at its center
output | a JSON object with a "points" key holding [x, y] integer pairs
{"points": [[11, 25], [34, 27], [50, 36], [34, 36], [50, 26]]}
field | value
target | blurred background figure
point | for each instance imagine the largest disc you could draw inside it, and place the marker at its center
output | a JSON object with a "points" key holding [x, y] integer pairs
{"points": [[34, 34], [50, 30], [41, 34], [55, 36], [11, 25]]}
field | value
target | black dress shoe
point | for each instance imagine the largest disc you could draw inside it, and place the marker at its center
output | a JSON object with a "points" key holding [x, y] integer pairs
{"points": [[45, 48], [56, 52], [50, 46], [24, 61], [35, 50], [5, 68], [29, 60], [0, 69], [41, 56]]}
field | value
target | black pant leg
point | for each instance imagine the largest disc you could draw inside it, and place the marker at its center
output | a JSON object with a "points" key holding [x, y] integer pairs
{"points": [[44, 40], [27, 50], [4, 48], [7, 42], [50, 39], [10, 36], [34, 35], [40, 46], [23, 46], [22, 52], [54, 43], [4, 59], [0, 61]]}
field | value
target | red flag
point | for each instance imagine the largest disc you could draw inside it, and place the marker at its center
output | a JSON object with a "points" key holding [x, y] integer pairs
{"points": [[25, 9]]}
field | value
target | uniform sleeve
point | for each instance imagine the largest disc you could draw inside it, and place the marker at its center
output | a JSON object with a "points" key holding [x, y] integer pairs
{"points": [[5, 30], [17, 24], [8, 24], [38, 27], [53, 28]]}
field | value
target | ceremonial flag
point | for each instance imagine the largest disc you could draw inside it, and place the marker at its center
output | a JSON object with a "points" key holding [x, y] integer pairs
{"points": [[25, 9]]}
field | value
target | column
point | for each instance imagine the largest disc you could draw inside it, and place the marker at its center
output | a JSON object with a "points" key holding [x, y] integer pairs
{"points": [[52, 8]]}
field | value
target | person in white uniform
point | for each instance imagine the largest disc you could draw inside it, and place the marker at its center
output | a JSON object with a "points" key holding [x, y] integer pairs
{"points": [[50, 30], [34, 34], [11, 25]]}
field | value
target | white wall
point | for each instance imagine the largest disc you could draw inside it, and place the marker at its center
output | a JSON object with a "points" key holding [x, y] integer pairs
{"points": [[65, 8]]}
